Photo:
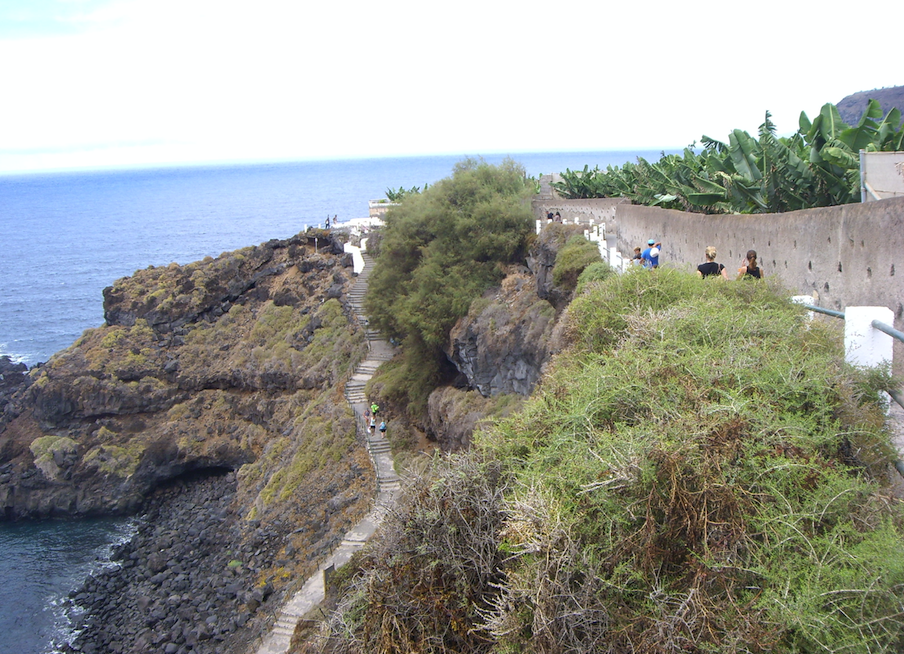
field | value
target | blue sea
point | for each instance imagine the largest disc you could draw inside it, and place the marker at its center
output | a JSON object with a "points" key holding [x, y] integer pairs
{"points": [[65, 236]]}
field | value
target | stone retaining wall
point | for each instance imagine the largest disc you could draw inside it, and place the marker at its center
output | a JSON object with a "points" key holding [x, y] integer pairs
{"points": [[585, 211], [850, 255]]}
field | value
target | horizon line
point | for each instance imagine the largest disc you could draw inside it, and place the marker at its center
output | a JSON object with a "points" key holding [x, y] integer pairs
{"points": [[224, 163]]}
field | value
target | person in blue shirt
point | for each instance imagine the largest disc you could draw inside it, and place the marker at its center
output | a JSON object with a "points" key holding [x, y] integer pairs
{"points": [[650, 256]]}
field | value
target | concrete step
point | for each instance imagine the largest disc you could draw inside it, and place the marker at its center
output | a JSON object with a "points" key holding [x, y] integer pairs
{"points": [[285, 626]]}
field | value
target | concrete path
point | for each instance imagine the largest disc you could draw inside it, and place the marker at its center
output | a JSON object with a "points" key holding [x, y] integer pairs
{"points": [[388, 483]]}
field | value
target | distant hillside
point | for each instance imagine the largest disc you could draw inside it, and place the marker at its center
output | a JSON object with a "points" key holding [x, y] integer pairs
{"points": [[852, 107]]}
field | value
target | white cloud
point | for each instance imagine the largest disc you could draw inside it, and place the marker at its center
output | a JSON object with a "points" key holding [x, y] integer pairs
{"points": [[165, 81]]}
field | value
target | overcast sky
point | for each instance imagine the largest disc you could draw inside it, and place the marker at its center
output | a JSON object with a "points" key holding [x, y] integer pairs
{"points": [[98, 83]]}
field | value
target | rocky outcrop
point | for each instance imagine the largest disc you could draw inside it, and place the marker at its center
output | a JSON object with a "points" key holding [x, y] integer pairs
{"points": [[13, 378], [185, 579], [233, 365], [542, 260], [502, 344], [222, 363], [12, 375]]}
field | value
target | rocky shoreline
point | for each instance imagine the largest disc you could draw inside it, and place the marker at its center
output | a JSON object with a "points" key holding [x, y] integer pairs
{"points": [[184, 583]]}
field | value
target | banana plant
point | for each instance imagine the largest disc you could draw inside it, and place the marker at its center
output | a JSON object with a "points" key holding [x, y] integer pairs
{"points": [[817, 166]]}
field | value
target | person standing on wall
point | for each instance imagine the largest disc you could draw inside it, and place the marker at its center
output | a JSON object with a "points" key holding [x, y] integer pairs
{"points": [[750, 269], [711, 268]]}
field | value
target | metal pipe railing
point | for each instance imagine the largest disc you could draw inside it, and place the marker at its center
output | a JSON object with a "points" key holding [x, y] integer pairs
{"points": [[828, 312], [888, 329], [882, 327]]}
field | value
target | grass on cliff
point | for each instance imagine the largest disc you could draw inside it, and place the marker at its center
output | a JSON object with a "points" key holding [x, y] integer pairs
{"points": [[700, 471], [577, 254]]}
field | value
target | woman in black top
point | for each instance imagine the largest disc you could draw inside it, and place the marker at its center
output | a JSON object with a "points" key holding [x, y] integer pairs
{"points": [[711, 268], [750, 269]]}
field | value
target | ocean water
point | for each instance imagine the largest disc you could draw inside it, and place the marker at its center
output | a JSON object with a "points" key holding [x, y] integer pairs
{"points": [[66, 236], [39, 563]]}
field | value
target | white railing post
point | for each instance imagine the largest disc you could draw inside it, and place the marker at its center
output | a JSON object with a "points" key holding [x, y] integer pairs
{"points": [[804, 299], [357, 259], [864, 345], [539, 226]]}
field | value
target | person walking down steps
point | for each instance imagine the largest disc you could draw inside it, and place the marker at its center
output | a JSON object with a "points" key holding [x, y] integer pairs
{"points": [[383, 427]]}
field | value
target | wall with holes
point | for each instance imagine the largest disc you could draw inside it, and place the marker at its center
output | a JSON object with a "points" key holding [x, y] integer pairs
{"points": [[851, 255]]}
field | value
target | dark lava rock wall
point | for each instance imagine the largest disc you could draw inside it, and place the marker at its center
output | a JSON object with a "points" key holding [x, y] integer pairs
{"points": [[502, 345]]}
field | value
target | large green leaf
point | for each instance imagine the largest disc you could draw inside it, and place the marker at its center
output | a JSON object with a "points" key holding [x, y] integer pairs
{"points": [[889, 130], [705, 199], [707, 185], [747, 193], [867, 130], [840, 155], [713, 144], [831, 125], [743, 150]]}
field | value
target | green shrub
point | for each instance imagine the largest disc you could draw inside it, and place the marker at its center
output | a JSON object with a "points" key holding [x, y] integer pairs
{"points": [[443, 248], [575, 255], [596, 272], [693, 451], [699, 471]]}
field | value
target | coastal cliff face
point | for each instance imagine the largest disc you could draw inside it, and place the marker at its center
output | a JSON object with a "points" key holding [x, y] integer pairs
{"points": [[232, 363], [229, 370], [502, 344], [501, 347]]}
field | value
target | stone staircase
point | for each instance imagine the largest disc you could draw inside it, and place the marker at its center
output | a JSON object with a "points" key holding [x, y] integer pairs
{"points": [[388, 482]]}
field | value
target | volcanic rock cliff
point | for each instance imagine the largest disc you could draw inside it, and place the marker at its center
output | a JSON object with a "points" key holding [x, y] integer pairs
{"points": [[501, 347], [232, 363]]}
